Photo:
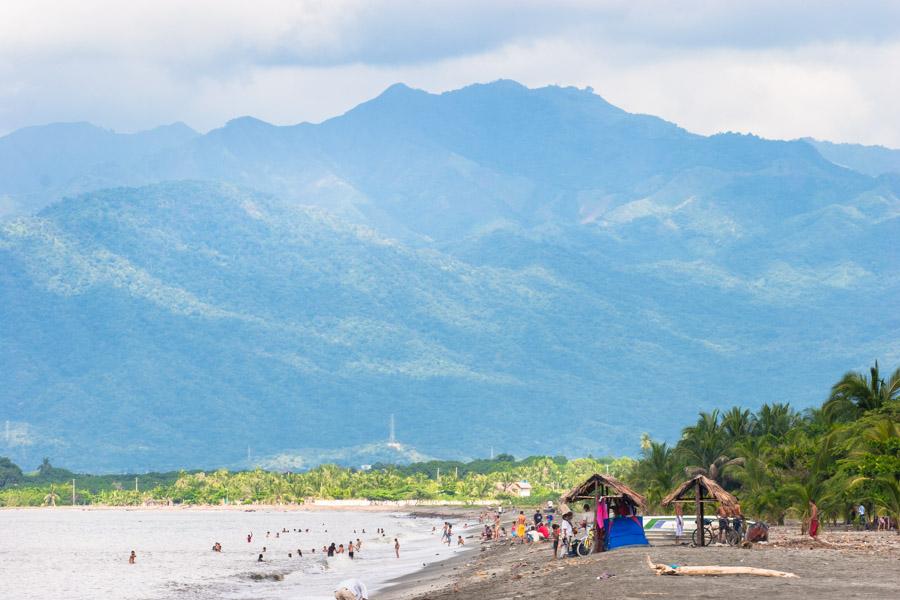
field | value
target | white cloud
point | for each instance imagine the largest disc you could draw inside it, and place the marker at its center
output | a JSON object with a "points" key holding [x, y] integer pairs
{"points": [[782, 70]]}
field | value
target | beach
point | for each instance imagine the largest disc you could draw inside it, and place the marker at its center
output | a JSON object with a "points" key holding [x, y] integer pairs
{"points": [[83, 554], [844, 565]]}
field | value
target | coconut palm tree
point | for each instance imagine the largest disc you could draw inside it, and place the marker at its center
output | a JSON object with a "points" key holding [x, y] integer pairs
{"points": [[856, 393], [737, 423], [705, 448], [774, 420], [873, 462], [658, 470], [51, 498]]}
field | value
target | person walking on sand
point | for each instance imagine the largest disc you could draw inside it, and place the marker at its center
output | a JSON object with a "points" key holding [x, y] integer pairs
{"points": [[397, 547], [813, 519], [679, 523], [132, 558]]}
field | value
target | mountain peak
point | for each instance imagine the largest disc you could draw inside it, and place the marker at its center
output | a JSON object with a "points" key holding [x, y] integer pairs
{"points": [[246, 122]]}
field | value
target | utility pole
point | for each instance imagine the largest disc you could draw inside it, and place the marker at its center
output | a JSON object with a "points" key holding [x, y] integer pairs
{"points": [[73, 492], [392, 436], [135, 484], [438, 473]]}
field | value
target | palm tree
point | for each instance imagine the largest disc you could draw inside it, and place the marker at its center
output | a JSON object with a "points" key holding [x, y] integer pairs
{"points": [[658, 469], [738, 424], [855, 393], [705, 448], [873, 461], [775, 420], [51, 498]]}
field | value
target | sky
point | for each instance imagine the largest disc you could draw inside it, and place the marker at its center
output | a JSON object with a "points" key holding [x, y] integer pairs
{"points": [[785, 69]]}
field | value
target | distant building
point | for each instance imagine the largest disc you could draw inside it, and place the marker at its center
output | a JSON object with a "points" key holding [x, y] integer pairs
{"points": [[522, 489], [365, 467]]}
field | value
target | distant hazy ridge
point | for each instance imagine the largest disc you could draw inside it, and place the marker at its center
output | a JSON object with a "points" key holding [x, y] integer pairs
{"points": [[492, 265]]}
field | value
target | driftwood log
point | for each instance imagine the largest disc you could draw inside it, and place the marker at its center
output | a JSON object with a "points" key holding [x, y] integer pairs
{"points": [[714, 570]]}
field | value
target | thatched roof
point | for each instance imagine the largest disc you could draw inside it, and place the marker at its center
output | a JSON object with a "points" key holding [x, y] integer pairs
{"points": [[586, 490], [709, 489]]}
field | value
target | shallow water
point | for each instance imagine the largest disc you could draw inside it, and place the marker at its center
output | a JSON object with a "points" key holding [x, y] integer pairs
{"points": [[82, 554]]}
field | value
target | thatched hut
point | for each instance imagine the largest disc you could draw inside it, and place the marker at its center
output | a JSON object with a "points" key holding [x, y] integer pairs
{"points": [[602, 489], [702, 490]]}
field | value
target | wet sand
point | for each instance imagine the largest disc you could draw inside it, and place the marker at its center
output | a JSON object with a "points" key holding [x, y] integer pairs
{"points": [[846, 565]]}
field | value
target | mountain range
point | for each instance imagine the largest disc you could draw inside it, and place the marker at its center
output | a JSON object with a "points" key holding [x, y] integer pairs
{"points": [[531, 270]]}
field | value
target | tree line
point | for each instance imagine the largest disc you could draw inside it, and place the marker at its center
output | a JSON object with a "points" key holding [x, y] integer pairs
{"points": [[844, 453]]}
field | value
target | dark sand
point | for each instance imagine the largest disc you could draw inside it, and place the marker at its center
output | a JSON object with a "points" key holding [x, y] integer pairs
{"points": [[847, 565]]}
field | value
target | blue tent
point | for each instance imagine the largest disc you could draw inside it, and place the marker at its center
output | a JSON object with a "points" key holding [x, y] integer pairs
{"points": [[625, 531]]}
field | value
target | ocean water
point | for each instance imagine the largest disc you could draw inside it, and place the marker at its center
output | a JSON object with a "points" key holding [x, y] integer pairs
{"points": [[83, 554]]}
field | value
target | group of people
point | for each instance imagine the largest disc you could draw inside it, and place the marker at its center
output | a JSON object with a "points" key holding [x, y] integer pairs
{"points": [[352, 548], [540, 527], [878, 523]]}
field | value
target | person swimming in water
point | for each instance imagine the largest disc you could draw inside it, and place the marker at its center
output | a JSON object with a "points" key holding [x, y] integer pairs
{"points": [[260, 559]]}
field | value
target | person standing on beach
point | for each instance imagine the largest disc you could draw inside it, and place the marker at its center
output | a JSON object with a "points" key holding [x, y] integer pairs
{"points": [[679, 523], [397, 547], [723, 522], [555, 536], [249, 537], [351, 549], [568, 532], [813, 519], [132, 558], [520, 526], [737, 518]]}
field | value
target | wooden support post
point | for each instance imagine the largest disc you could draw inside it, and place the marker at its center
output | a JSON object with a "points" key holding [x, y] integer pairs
{"points": [[597, 546], [699, 521]]}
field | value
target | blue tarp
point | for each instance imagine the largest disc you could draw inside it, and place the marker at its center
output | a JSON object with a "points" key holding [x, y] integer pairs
{"points": [[625, 531]]}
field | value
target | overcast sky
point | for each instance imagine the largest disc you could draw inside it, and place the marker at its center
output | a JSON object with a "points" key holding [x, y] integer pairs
{"points": [[778, 69]]}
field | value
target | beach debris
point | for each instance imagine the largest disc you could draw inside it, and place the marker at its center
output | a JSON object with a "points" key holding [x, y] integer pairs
{"points": [[713, 570]]}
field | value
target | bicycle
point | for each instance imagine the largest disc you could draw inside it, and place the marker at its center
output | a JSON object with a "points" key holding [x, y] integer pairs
{"points": [[707, 538], [585, 546], [711, 531]]}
